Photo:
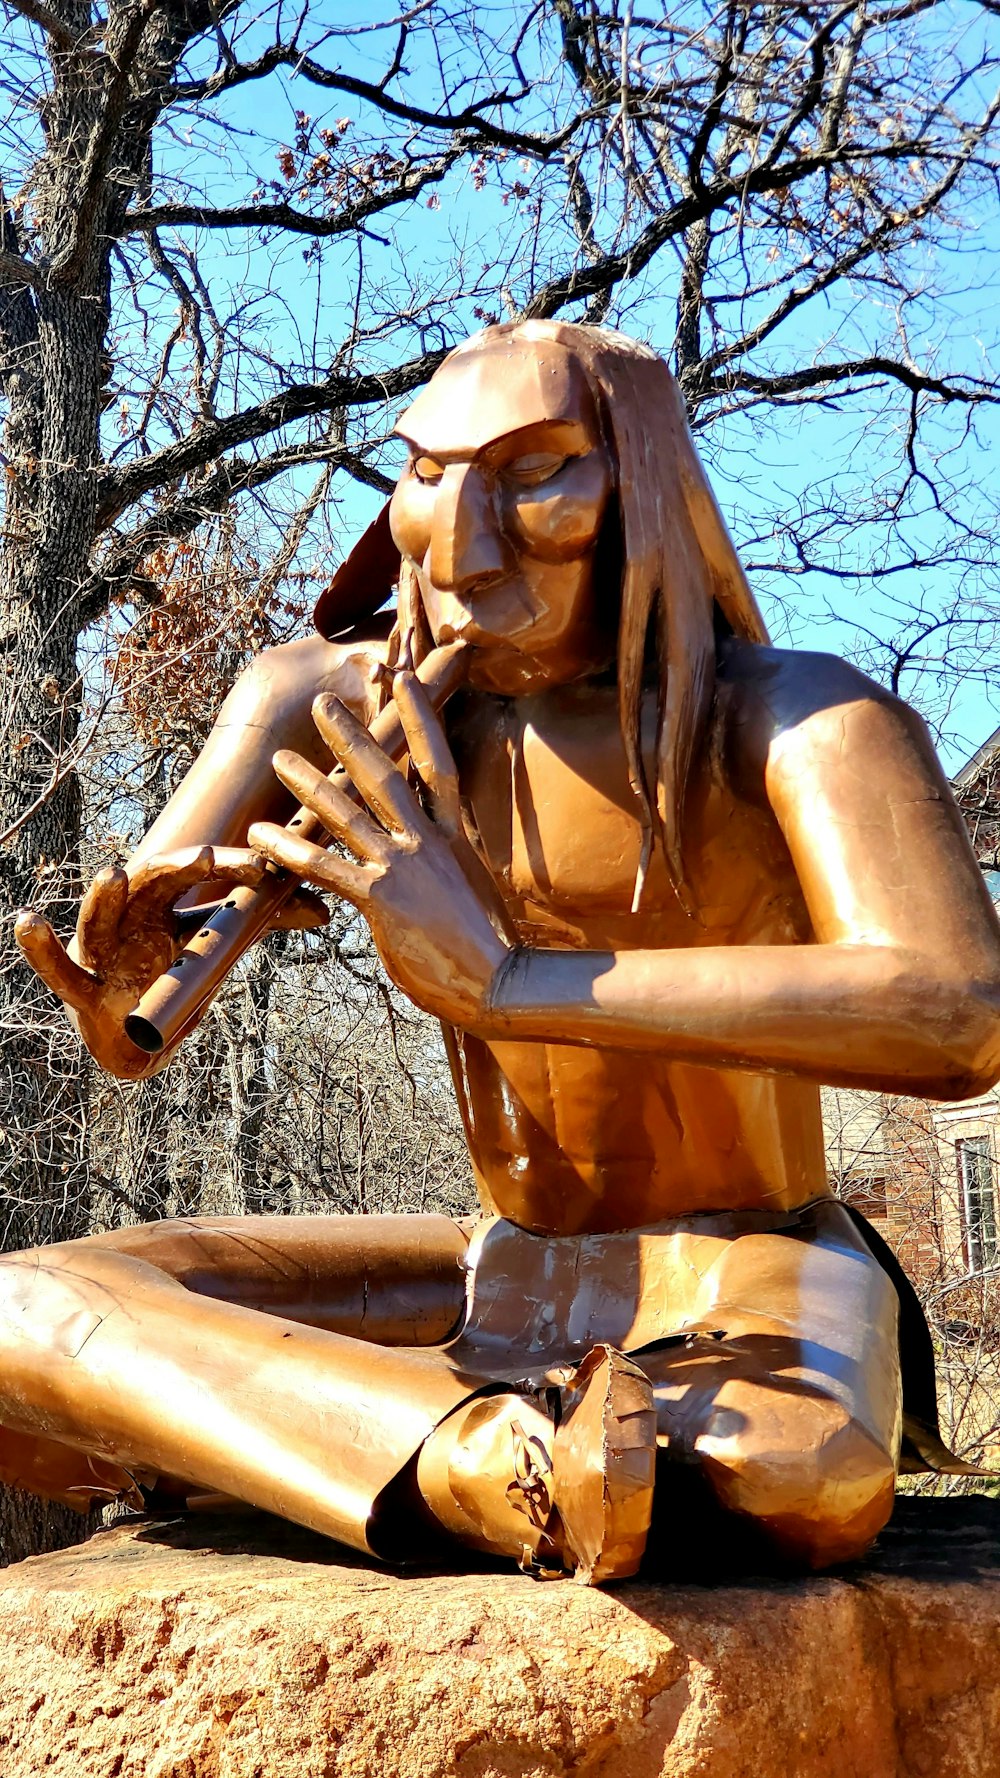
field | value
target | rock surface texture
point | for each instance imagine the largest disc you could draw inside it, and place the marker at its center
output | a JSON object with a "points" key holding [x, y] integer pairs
{"points": [[241, 1648]]}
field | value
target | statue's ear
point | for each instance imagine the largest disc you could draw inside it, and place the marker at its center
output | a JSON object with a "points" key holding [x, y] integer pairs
{"points": [[362, 584]]}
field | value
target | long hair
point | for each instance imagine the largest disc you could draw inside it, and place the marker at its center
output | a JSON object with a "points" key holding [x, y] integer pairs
{"points": [[678, 567]]}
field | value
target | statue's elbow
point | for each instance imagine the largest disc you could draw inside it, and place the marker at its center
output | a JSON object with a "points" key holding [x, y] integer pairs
{"points": [[968, 1044], [275, 693]]}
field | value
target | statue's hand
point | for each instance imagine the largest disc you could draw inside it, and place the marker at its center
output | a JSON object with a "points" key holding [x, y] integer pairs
{"points": [[434, 912], [127, 934]]}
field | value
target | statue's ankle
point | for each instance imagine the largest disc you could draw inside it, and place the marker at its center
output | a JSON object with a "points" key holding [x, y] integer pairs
{"points": [[561, 1479], [486, 1475]]}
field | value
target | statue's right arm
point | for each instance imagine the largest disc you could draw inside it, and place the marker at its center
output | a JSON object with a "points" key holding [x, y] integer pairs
{"points": [[232, 782], [128, 931]]}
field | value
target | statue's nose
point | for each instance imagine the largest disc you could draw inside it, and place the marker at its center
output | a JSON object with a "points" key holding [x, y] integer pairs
{"points": [[467, 545]]}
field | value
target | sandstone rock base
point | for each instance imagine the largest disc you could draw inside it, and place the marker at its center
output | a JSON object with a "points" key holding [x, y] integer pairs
{"points": [[244, 1649]]}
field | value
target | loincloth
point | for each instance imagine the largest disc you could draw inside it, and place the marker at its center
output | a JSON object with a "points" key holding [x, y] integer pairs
{"points": [[538, 1304]]}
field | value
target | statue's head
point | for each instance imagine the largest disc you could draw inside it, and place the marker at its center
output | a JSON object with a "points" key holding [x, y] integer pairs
{"points": [[554, 513], [500, 510]]}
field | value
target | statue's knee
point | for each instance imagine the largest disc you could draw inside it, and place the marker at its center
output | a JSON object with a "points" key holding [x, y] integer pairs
{"points": [[819, 1491]]}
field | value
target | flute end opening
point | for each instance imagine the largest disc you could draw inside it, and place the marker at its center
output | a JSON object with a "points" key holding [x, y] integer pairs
{"points": [[143, 1033]]}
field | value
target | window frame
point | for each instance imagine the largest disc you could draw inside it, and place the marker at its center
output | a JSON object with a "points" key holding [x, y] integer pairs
{"points": [[978, 1196]]}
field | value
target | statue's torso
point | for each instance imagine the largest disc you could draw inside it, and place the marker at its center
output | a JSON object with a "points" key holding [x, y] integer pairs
{"points": [[566, 1138]]}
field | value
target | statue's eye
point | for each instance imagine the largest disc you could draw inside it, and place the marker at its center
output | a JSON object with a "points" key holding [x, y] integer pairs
{"points": [[531, 471], [427, 469]]}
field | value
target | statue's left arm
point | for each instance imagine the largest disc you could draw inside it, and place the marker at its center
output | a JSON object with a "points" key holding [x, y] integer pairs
{"points": [[901, 989], [899, 992]]}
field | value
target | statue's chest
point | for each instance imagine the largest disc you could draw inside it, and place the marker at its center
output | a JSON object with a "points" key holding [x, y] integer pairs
{"points": [[548, 786]]}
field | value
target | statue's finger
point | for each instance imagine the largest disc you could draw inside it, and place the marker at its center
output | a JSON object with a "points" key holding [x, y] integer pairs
{"points": [[235, 864], [99, 921], [164, 867], [50, 960], [196, 864], [160, 881], [303, 859], [382, 785], [429, 752], [340, 816]]}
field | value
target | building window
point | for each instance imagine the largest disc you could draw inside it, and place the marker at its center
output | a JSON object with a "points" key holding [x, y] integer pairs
{"points": [[976, 1175]]}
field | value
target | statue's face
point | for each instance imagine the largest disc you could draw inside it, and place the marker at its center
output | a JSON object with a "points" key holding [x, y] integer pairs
{"points": [[499, 510]]}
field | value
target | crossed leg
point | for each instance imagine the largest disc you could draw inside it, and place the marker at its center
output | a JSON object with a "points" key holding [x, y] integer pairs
{"points": [[775, 1372], [251, 1356], [278, 1360]]}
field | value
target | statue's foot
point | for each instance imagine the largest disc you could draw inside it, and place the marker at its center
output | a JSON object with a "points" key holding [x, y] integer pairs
{"points": [[561, 1478], [605, 1460]]}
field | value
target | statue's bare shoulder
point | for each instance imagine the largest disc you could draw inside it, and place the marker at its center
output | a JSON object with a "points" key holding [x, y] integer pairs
{"points": [[791, 712], [852, 778]]}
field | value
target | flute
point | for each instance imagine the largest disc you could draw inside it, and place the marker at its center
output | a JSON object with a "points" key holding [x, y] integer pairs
{"points": [[174, 1003]]}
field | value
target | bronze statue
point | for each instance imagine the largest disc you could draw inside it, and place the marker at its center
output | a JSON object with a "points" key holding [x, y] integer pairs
{"points": [[658, 880]]}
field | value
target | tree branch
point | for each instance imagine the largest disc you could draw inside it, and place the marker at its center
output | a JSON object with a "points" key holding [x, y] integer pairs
{"points": [[612, 268], [880, 237], [816, 376], [724, 72], [66, 267], [841, 82], [18, 272], [39, 14], [119, 488], [803, 293], [236, 476], [300, 222], [281, 55], [18, 351]]}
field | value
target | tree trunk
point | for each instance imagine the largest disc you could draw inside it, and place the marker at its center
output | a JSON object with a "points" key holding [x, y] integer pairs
{"points": [[96, 117]]}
